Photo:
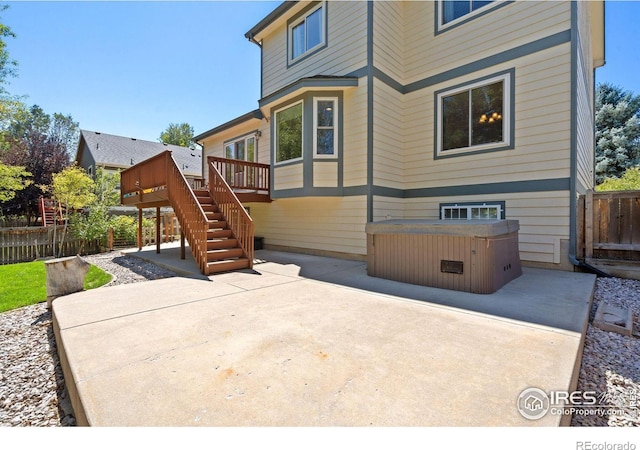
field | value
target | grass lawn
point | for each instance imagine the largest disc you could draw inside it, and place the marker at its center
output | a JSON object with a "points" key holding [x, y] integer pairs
{"points": [[25, 284]]}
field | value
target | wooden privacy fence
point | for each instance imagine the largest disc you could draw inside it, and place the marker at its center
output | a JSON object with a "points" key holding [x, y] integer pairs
{"points": [[25, 244], [609, 225]]}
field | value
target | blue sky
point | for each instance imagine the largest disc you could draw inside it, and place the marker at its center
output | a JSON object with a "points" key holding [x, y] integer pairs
{"points": [[131, 68]]}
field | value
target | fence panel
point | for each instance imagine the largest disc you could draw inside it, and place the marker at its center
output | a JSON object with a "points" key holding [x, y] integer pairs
{"points": [[613, 230], [24, 244]]}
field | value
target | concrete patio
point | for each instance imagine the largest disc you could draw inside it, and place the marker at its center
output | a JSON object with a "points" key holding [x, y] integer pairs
{"points": [[303, 340]]}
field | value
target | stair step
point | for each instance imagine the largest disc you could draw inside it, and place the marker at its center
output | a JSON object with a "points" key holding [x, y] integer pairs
{"points": [[213, 215], [228, 265], [201, 192], [217, 234], [209, 208], [215, 244], [214, 224], [224, 253]]}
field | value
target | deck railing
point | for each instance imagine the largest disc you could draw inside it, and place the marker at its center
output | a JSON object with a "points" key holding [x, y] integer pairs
{"points": [[189, 211], [162, 170], [236, 216], [243, 175]]}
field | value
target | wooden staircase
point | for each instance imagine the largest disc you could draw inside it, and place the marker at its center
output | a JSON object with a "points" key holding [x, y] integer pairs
{"points": [[224, 253]]}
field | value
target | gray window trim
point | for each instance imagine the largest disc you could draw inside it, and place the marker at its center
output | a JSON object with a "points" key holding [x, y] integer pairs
{"points": [[439, 27], [500, 203], [470, 151], [325, 37]]}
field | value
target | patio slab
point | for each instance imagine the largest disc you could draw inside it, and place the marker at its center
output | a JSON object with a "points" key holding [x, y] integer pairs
{"points": [[310, 341]]}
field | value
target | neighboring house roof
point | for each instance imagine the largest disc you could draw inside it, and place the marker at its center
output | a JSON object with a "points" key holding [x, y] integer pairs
{"points": [[119, 151], [255, 114]]}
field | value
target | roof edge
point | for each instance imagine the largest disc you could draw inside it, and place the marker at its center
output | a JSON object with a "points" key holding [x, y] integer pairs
{"points": [[255, 114], [270, 18]]}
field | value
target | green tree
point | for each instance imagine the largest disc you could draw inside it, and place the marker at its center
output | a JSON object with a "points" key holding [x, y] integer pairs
{"points": [[178, 134], [7, 65], [73, 189], [629, 181], [12, 180], [617, 131], [43, 144]]}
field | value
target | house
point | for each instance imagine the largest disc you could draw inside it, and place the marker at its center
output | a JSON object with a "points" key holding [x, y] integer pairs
{"points": [[449, 110], [115, 153]]}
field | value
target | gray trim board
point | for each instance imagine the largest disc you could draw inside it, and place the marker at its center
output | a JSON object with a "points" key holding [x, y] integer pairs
{"points": [[573, 139], [255, 114], [370, 77], [270, 18], [308, 84], [508, 187]]}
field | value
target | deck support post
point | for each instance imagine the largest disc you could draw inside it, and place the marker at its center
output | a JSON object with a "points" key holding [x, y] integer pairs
{"points": [[182, 251], [157, 229], [139, 229]]}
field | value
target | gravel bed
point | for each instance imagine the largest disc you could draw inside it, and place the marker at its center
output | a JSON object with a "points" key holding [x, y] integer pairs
{"points": [[32, 389]]}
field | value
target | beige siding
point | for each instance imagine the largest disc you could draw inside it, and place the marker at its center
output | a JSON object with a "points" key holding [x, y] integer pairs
{"points": [[543, 218], [542, 129], [520, 23], [325, 174], [386, 208], [287, 177], [584, 95], [389, 36], [388, 138], [334, 224], [354, 147], [346, 50]]}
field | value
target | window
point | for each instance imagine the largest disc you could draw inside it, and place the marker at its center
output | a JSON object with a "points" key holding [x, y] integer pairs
{"points": [[325, 119], [454, 9], [288, 130], [307, 33], [474, 117], [470, 211]]}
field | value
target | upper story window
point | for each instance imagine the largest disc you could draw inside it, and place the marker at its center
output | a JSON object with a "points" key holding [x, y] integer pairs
{"points": [[474, 117], [454, 12], [307, 33], [325, 121], [288, 133]]}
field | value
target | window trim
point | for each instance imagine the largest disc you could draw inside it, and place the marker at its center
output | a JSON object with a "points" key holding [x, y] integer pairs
{"points": [[245, 137], [302, 17], [470, 205], [441, 27], [335, 127], [275, 134], [508, 121]]}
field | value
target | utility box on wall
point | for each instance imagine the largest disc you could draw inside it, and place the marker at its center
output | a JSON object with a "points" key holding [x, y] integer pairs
{"points": [[478, 256]]}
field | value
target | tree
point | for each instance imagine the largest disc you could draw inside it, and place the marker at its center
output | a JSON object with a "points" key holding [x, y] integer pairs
{"points": [[178, 134], [43, 145], [7, 65], [617, 131], [73, 189], [630, 181], [12, 179]]}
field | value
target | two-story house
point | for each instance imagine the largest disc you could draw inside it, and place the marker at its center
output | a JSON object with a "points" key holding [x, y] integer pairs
{"points": [[421, 110], [382, 110]]}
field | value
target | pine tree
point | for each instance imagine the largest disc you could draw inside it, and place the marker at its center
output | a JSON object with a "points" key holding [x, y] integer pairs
{"points": [[617, 131]]}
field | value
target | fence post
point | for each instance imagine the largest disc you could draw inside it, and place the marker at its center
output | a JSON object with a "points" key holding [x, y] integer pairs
{"points": [[110, 239], [588, 222]]}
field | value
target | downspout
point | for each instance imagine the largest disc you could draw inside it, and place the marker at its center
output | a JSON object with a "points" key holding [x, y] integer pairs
{"points": [[573, 238]]}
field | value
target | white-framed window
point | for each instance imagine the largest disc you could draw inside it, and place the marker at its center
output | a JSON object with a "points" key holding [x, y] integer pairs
{"points": [[243, 148], [474, 116], [454, 12], [307, 33], [289, 131], [472, 211], [325, 127]]}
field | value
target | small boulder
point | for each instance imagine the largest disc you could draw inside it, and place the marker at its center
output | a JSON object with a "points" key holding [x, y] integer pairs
{"points": [[65, 276]]}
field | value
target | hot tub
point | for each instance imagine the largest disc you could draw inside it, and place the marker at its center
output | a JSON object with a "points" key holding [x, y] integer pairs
{"points": [[478, 256]]}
